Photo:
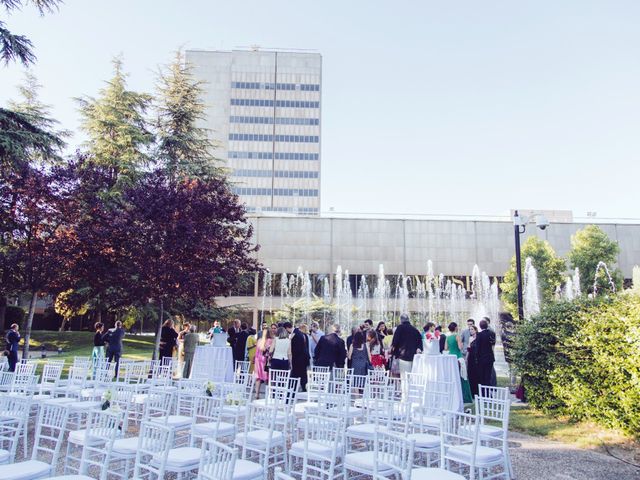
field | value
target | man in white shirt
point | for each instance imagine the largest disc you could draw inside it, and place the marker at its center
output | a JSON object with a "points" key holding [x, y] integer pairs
{"points": [[314, 337]]}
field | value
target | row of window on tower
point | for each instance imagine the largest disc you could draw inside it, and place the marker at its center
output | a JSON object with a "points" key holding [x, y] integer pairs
{"points": [[278, 120], [260, 102], [263, 137], [303, 87], [241, 172], [278, 192], [278, 155]]}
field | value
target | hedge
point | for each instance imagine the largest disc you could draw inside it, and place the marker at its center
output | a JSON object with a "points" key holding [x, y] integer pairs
{"points": [[582, 359]]}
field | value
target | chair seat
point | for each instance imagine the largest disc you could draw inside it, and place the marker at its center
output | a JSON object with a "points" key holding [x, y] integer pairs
{"points": [[71, 477], [364, 430], [490, 431], [78, 437], [433, 422], [24, 470], [84, 405], [126, 446], [354, 412], [484, 455], [39, 397], [425, 440], [173, 421], [434, 474], [60, 401], [92, 392], [259, 438], [182, 458], [316, 449], [208, 429], [4, 456], [363, 462], [246, 470], [139, 398], [301, 407], [235, 409]]}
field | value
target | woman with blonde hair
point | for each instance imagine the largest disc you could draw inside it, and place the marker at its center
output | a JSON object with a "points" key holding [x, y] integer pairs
{"points": [[263, 348]]}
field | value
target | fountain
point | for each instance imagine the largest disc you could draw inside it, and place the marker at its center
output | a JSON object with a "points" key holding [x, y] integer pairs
{"points": [[266, 293], [531, 296], [602, 266]]}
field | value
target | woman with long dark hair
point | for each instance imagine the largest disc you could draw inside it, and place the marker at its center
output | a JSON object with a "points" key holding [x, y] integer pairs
{"points": [[358, 354], [376, 351], [168, 339]]}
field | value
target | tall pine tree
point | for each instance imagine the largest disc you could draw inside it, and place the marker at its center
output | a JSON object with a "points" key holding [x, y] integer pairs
{"points": [[183, 149], [117, 128]]}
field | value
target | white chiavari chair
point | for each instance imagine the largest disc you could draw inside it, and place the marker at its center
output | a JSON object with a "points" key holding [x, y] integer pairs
{"points": [[221, 462], [321, 449], [50, 429]]}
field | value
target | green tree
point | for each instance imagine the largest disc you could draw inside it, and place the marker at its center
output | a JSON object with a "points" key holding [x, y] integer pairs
{"points": [[548, 265], [118, 131], [182, 148], [67, 308], [39, 114], [18, 47], [590, 246]]}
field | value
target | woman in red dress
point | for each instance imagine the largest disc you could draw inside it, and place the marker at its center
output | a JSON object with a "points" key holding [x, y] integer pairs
{"points": [[376, 354]]}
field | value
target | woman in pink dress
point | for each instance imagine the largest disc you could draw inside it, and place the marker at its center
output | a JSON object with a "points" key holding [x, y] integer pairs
{"points": [[262, 358]]}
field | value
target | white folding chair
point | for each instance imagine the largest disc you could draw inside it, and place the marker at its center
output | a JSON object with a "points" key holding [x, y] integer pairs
{"points": [[152, 451], [261, 439], [321, 450], [95, 442], [460, 434], [220, 462], [50, 430], [14, 413], [207, 421], [493, 413]]}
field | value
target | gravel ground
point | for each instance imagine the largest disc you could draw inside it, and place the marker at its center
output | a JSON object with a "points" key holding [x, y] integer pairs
{"points": [[535, 458]]}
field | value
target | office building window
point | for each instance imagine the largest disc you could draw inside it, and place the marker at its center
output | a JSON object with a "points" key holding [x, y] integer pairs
{"points": [[279, 155], [256, 102]]}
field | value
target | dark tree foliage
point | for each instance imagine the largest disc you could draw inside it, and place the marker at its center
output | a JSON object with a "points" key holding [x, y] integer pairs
{"points": [[38, 241], [18, 47]]}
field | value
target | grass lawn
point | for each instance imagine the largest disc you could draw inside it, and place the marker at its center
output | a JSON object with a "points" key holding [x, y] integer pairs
{"points": [[137, 347]]}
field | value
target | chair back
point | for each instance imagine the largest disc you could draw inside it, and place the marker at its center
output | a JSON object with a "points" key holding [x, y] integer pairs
{"points": [[278, 377], [24, 379], [413, 387], [457, 429], [16, 410], [217, 461], [341, 374], [497, 393], [154, 443], [50, 429], [323, 369], [493, 410], [159, 403], [241, 367], [51, 373], [103, 427], [395, 451]]}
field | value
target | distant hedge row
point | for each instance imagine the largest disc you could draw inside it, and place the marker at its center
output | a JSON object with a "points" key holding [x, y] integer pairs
{"points": [[582, 359]]}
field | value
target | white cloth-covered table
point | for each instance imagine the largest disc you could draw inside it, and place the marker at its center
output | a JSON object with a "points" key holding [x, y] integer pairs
{"points": [[212, 363], [441, 368]]}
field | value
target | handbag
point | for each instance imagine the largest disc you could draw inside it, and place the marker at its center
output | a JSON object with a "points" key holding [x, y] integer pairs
{"points": [[395, 366]]}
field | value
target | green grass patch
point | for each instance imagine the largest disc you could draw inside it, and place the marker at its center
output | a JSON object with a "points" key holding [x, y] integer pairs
{"points": [[80, 344]]}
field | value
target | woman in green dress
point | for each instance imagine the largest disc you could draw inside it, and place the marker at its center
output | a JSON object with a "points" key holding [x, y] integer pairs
{"points": [[454, 345]]}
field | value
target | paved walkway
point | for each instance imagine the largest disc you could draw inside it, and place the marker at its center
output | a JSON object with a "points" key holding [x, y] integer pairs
{"points": [[535, 458]]}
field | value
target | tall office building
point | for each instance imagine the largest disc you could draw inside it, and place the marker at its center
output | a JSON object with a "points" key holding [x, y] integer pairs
{"points": [[263, 111]]}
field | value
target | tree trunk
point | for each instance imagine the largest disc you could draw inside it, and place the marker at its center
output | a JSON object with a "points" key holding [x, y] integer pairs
{"points": [[62, 324], [156, 348], [27, 328]]}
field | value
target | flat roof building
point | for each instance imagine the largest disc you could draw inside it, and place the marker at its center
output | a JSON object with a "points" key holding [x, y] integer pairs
{"points": [[263, 109]]}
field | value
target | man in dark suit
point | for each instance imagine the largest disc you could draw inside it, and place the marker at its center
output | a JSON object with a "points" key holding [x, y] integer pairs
{"points": [[406, 342], [13, 341], [299, 354], [483, 353], [233, 332], [114, 338], [331, 351], [239, 346]]}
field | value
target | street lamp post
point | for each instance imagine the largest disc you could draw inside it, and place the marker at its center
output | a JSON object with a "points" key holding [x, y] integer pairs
{"points": [[519, 227], [517, 232]]}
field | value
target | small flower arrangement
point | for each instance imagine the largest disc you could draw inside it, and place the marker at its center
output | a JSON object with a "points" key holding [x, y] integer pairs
{"points": [[209, 388], [107, 396]]}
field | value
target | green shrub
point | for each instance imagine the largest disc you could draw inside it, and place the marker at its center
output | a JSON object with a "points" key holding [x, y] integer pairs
{"points": [[582, 359]]}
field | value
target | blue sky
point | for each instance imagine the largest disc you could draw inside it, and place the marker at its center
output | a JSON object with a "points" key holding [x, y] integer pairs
{"points": [[428, 107]]}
